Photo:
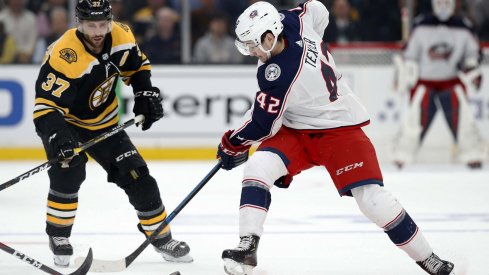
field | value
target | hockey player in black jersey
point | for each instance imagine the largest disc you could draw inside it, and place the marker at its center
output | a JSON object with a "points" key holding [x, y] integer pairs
{"points": [[76, 101]]}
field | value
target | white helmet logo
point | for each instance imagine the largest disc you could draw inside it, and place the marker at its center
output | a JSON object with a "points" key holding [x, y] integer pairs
{"points": [[272, 72], [253, 14]]}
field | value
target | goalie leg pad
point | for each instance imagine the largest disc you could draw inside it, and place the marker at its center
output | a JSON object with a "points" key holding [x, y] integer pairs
{"points": [[469, 139], [408, 139], [382, 208]]}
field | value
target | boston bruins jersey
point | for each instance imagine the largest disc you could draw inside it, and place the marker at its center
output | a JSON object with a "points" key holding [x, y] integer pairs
{"points": [[80, 85]]}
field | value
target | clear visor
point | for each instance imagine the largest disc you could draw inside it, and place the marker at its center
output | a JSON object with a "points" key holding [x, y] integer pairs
{"points": [[95, 28], [245, 48]]}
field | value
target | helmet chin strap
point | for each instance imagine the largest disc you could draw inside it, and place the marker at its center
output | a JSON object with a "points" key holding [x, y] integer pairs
{"points": [[269, 52]]}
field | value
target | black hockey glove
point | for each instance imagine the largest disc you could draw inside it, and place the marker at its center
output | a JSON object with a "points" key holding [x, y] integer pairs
{"points": [[148, 103], [62, 145], [231, 155]]}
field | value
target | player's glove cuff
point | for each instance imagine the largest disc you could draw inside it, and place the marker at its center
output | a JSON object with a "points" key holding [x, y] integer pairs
{"points": [[231, 155], [148, 103]]}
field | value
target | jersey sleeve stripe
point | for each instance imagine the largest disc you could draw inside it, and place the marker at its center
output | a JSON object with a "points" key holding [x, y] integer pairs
{"points": [[38, 114], [40, 102], [97, 127]]}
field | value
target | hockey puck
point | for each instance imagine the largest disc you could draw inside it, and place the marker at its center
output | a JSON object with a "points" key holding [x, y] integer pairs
{"points": [[176, 273]]}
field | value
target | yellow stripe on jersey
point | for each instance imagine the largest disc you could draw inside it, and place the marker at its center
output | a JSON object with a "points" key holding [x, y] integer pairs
{"points": [[43, 101], [126, 75], [109, 123], [154, 220], [99, 118], [60, 221], [63, 206], [41, 113]]}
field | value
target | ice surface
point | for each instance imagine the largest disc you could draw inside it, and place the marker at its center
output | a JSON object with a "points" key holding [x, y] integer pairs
{"points": [[309, 230]]}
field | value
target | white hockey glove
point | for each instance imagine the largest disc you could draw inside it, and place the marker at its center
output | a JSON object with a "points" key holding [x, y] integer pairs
{"points": [[406, 73]]}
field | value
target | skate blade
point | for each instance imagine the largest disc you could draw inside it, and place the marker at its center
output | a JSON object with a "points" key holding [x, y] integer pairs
{"points": [[184, 259], [62, 260], [234, 268]]}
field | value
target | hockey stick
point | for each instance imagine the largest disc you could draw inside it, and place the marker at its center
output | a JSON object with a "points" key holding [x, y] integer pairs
{"points": [[82, 270], [122, 264], [83, 147]]}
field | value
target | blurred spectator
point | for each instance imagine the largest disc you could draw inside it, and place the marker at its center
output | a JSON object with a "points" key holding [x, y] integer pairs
{"points": [[165, 46], [144, 18], [7, 46], [233, 8], [380, 20], [119, 12], [59, 25], [201, 18], [43, 16], [194, 4], [479, 9], [21, 25], [217, 46], [342, 26]]}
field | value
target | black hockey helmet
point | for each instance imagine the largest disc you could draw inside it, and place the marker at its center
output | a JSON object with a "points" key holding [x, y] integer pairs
{"points": [[93, 10]]}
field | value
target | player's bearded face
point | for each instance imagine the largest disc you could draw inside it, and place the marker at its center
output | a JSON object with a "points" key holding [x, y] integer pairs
{"points": [[95, 31]]}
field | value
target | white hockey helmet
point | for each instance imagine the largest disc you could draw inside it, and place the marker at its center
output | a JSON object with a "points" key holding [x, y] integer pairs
{"points": [[443, 9], [253, 23]]}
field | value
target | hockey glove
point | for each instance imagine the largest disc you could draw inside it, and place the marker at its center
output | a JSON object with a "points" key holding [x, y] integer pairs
{"points": [[231, 155], [62, 145], [284, 182], [148, 103]]}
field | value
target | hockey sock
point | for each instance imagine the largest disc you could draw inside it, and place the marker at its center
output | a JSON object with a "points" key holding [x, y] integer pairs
{"points": [[150, 220], [382, 208], [405, 234], [61, 212], [254, 205]]}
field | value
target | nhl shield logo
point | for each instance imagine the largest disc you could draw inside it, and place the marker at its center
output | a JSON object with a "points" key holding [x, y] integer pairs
{"points": [[272, 72]]}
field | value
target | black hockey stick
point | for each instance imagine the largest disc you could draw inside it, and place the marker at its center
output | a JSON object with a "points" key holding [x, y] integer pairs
{"points": [[122, 264], [83, 147], [82, 270]]}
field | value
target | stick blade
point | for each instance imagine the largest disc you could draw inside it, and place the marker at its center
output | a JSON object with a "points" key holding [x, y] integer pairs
{"points": [[103, 266], [84, 265]]}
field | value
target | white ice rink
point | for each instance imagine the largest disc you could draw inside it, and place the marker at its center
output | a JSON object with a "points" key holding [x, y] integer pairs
{"points": [[309, 230]]}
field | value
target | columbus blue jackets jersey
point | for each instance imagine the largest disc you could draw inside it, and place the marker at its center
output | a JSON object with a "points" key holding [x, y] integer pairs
{"points": [[80, 85], [442, 49], [300, 88]]}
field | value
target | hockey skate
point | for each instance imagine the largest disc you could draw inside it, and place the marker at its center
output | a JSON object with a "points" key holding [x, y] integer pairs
{"points": [[474, 165], [242, 259], [173, 250], [62, 250], [436, 266]]}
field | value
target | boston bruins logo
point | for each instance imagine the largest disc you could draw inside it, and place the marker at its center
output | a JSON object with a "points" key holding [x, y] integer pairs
{"points": [[100, 95], [68, 55]]}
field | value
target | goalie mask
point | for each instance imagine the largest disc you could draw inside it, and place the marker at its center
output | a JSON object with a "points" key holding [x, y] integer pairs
{"points": [[443, 9], [253, 23], [94, 10]]}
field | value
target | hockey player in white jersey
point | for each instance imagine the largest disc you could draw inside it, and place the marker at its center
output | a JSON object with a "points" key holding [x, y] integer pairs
{"points": [[305, 115], [445, 50]]}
